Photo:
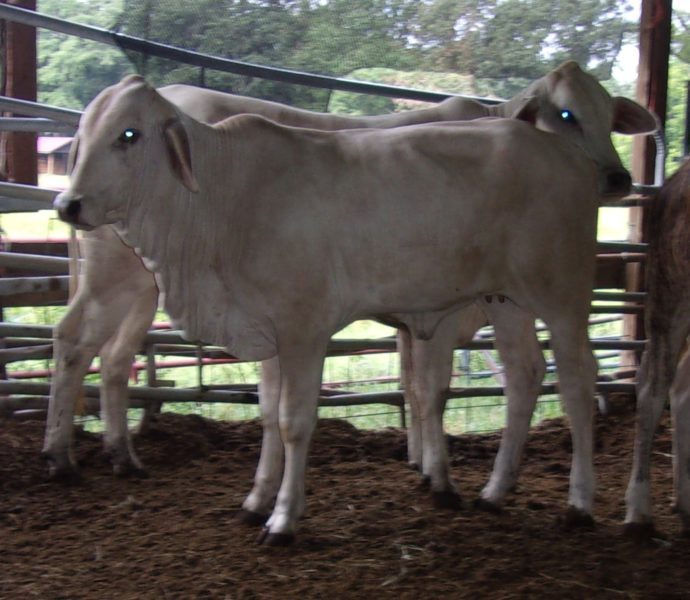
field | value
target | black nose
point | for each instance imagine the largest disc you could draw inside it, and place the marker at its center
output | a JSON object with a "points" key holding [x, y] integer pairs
{"points": [[617, 182], [73, 209]]}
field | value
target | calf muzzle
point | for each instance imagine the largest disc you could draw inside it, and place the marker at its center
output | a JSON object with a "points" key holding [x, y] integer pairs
{"points": [[616, 182], [68, 207]]}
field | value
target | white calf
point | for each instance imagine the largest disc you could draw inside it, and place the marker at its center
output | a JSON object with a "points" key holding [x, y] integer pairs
{"points": [[273, 241], [567, 101]]}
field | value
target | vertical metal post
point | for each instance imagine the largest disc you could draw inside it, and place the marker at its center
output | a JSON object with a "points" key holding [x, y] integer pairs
{"points": [[652, 91], [686, 134], [19, 81]]}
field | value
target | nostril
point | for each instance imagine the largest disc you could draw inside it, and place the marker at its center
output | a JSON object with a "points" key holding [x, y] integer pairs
{"points": [[73, 209]]}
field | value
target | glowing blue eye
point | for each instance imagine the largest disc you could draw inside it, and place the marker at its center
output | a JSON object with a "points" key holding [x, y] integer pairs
{"points": [[568, 116], [129, 136]]}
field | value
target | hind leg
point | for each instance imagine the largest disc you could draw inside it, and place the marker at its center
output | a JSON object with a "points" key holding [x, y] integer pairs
{"points": [[432, 361], [654, 380], [680, 409], [117, 357], [87, 325]]}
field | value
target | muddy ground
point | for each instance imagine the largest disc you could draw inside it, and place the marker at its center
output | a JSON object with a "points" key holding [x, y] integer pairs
{"points": [[370, 530]]}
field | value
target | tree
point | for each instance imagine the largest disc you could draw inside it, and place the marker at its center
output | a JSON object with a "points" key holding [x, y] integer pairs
{"points": [[507, 44], [71, 71]]}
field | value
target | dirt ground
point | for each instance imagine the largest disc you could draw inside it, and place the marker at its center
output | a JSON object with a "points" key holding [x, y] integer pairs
{"points": [[370, 530]]}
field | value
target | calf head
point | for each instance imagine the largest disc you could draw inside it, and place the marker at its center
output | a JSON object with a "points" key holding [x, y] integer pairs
{"points": [[130, 140], [573, 104]]}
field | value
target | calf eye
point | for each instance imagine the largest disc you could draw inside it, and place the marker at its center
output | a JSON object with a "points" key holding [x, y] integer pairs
{"points": [[568, 117], [129, 136]]}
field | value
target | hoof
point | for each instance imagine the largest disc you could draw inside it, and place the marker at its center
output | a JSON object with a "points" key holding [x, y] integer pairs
{"points": [[62, 471], [251, 518], [487, 506], [130, 470], [447, 500], [275, 539], [640, 532], [575, 518], [425, 483]]}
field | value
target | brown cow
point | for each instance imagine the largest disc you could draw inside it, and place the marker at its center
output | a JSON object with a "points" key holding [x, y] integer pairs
{"points": [[665, 366]]}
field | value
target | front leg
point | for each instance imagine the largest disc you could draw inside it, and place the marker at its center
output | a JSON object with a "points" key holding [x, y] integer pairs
{"points": [[86, 326], [257, 506], [414, 426], [523, 361], [301, 367]]}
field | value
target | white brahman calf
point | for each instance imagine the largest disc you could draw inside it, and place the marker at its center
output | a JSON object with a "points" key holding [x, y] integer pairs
{"points": [[665, 368], [111, 300], [268, 239]]}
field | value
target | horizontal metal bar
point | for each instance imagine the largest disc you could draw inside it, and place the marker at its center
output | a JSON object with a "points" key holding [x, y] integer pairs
{"points": [[619, 296], [35, 19], [387, 344], [610, 247], [57, 265], [15, 205], [35, 109], [9, 355], [11, 286], [39, 393], [28, 192], [33, 125]]}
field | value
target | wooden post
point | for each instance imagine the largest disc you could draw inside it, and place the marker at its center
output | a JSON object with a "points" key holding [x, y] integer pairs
{"points": [[19, 81], [652, 87]]}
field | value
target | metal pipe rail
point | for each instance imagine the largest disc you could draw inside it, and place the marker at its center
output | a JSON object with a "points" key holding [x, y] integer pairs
{"points": [[35, 109], [35, 125], [336, 346], [198, 59], [141, 396], [56, 265]]}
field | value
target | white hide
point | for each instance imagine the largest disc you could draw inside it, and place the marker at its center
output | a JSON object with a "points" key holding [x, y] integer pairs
{"points": [[567, 87], [289, 239]]}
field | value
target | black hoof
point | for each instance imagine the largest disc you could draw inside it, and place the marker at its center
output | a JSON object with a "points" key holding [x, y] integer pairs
{"points": [[487, 506], [575, 518], [640, 532], [62, 472], [425, 483], [447, 500], [127, 470], [251, 518], [275, 540]]}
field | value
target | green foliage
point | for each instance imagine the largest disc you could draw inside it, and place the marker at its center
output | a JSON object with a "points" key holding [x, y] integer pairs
{"points": [[679, 75], [507, 44], [500, 45], [71, 71]]}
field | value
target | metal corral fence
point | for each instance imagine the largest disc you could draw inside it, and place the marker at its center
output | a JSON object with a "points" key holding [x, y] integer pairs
{"points": [[34, 342]]}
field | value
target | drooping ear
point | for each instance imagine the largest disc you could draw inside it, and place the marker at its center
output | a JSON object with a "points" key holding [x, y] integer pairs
{"points": [[73, 154], [630, 118], [179, 153], [526, 110]]}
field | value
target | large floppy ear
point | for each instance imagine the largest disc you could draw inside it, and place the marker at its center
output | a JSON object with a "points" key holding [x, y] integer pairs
{"points": [[73, 153], [630, 118], [526, 110], [179, 153]]}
